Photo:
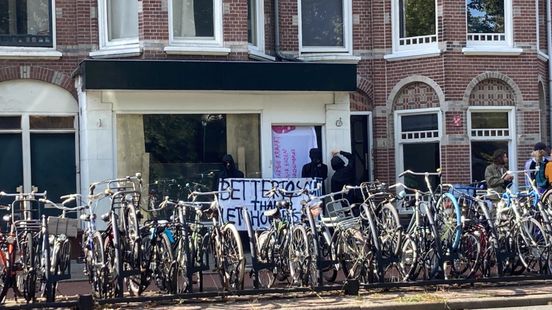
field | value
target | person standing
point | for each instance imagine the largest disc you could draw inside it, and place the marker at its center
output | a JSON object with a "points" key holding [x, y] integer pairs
{"points": [[229, 171], [344, 172], [316, 168], [538, 156], [495, 175]]}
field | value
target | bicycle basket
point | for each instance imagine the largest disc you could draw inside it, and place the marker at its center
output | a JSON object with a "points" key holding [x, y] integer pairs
{"points": [[340, 213], [61, 225]]}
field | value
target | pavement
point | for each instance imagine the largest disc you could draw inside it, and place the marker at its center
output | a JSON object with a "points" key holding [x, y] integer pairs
{"points": [[534, 295]]}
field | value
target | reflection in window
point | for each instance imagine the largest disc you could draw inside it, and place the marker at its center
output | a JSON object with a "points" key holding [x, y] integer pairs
{"points": [[481, 156], [193, 19], [51, 122], [252, 22], [417, 18], [322, 23], [25, 23], [485, 16], [486, 120]]}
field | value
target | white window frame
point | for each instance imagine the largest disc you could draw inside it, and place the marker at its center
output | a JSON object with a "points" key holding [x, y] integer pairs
{"points": [[347, 48], [104, 28], [259, 34], [198, 46], [422, 49], [540, 53], [399, 141], [23, 52], [511, 137], [491, 43]]}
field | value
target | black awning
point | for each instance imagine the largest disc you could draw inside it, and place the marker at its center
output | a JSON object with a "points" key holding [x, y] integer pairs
{"points": [[216, 75]]}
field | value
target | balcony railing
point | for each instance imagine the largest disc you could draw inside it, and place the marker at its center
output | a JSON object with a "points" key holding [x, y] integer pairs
{"points": [[26, 40]]}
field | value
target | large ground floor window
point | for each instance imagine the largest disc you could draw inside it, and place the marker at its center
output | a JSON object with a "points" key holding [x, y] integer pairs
{"points": [[185, 151]]}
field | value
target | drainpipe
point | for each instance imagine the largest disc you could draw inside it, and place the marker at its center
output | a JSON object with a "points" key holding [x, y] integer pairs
{"points": [[279, 55], [549, 41]]}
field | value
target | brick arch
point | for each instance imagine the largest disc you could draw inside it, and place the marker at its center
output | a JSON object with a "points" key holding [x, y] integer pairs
{"points": [[38, 73], [415, 92], [492, 88]]}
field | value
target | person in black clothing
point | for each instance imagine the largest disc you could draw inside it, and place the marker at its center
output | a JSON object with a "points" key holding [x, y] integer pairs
{"points": [[230, 170], [315, 169], [344, 173]]}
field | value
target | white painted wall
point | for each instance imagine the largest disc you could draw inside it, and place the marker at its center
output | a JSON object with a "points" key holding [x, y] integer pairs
{"points": [[32, 96], [98, 108]]}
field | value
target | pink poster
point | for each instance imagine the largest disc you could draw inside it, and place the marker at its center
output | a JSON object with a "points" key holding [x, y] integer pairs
{"points": [[290, 147]]}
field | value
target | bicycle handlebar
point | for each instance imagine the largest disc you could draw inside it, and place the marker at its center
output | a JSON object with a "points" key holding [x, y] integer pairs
{"points": [[23, 196], [196, 193], [438, 173], [62, 207]]}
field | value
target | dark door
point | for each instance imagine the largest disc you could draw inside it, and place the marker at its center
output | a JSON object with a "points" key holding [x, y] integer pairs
{"points": [[360, 145]]}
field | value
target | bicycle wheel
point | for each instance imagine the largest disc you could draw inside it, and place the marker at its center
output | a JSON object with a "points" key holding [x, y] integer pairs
{"points": [[182, 282], [390, 231], [408, 259], [137, 284], [466, 263], [532, 245], [233, 261], [31, 262], [165, 273], [265, 254], [114, 267], [298, 253], [311, 274], [354, 253], [327, 252], [448, 219], [95, 264]]}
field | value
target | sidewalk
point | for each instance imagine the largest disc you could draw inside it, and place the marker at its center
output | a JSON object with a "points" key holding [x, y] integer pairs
{"points": [[442, 297]]}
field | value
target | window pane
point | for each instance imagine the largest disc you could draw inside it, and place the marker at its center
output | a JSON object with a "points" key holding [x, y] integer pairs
{"points": [[421, 157], [122, 17], [52, 122], [25, 23], [485, 120], [419, 122], [188, 146], [252, 22], [322, 22], [10, 122], [481, 156], [485, 16], [53, 165], [417, 18], [193, 18], [11, 162]]}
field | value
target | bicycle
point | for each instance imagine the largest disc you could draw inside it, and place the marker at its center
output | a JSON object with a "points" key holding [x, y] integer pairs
{"points": [[60, 229], [225, 243], [27, 265], [122, 255]]}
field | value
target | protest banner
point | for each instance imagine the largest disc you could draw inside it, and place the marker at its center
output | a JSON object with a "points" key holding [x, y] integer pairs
{"points": [[290, 149], [251, 194]]}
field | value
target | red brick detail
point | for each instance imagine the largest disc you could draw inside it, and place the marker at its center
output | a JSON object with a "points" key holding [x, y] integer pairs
{"points": [[39, 73]]}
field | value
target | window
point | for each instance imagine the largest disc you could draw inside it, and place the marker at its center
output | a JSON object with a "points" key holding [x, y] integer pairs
{"points": [[39, 152], [118, 23], [189, 148], [489, 130], [489, 22], [542, 40], [255, 25], [325, 26], [195, 22], [26, 23], [418, 138], [414, 25]]}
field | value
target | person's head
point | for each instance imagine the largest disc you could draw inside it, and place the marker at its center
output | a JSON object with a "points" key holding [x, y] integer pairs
{"points": [[337, 163], [228, 162], [315, 155], [500, 157], [539, 151]]}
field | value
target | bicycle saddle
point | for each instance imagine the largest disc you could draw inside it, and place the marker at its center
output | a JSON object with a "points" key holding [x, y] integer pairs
{"points": [[271, 212]]}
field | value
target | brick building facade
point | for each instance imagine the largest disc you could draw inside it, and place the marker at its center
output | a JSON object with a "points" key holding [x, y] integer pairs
{"points": [[448, 87]]}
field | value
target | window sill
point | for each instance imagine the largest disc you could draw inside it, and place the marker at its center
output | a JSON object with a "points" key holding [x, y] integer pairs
{"points": [[29, 53], [335, 58], [116, 52], [197, 50], [258, 55], [492, 51], [413, 54]]}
